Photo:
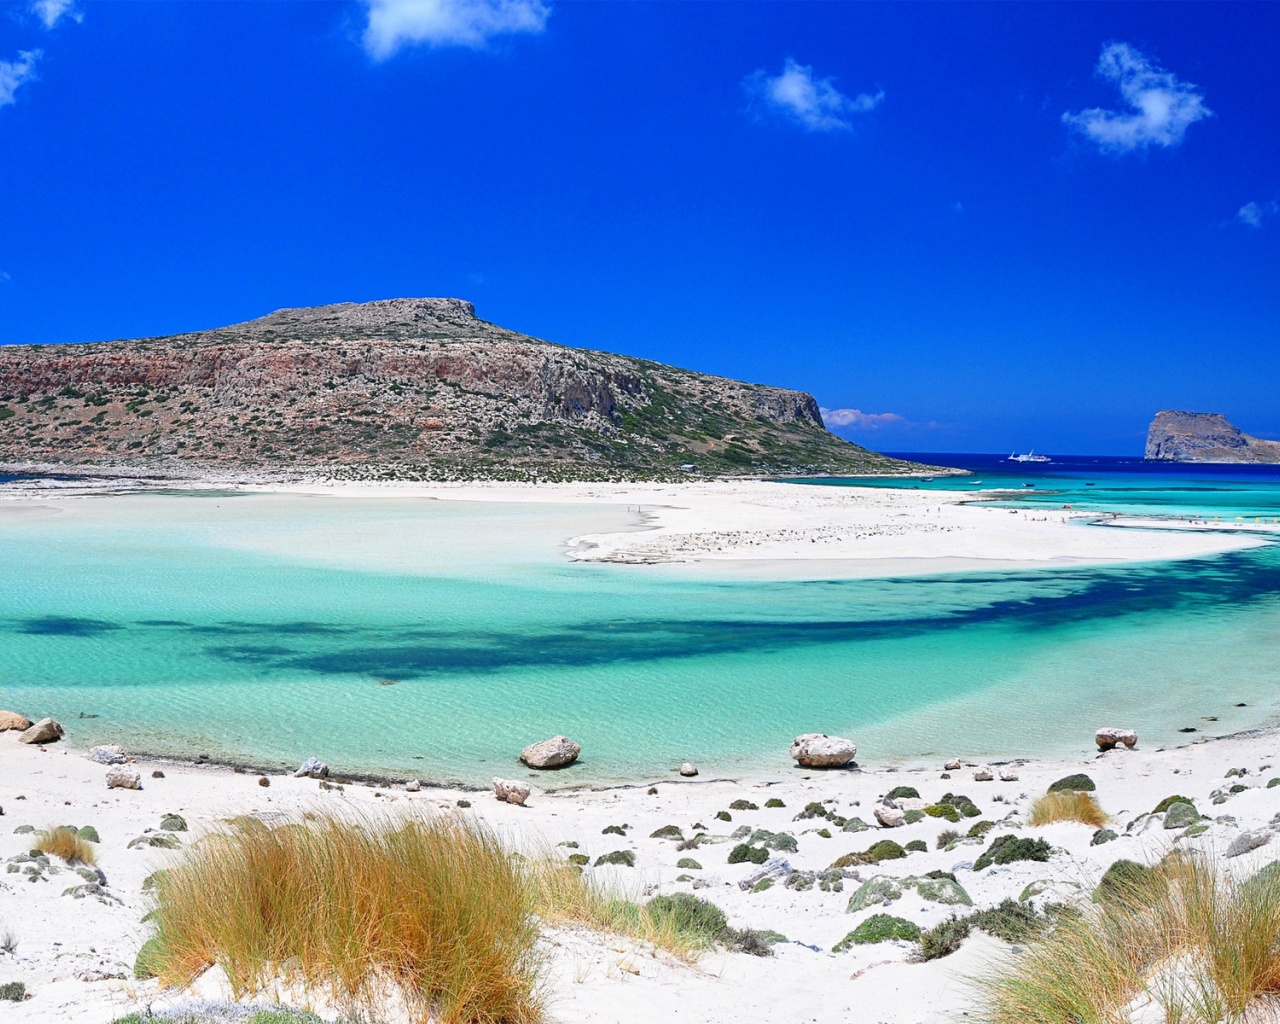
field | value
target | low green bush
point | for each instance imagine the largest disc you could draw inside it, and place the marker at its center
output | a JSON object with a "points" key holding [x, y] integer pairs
{"points": [[1009, 848], [878, 928], [917, 846], [1121, 879], [744, 853], [623, 858], [811, 810], [612, 830], [961, 803], [743, 805], [947, 811], [88, 833], [979, 829], [773, 801], [903, 792], [945, 838], [667, 832], [688, 863], [1169, 801], [1074, 784], [13, 992], [723, 816], [581, 859]]}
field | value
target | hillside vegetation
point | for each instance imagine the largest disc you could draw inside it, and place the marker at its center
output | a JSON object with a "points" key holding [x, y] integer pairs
{"points": [[403, 388]]}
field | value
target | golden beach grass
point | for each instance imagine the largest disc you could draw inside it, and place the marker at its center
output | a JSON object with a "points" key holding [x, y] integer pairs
{"points": [[1200, 945], [433, 907], [62, 842], [1066, 806]]}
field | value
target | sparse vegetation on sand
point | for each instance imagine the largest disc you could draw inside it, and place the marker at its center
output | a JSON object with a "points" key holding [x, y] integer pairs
{"points": [[435, 908], [1201, 946], [64, 843], [1068, 805]]}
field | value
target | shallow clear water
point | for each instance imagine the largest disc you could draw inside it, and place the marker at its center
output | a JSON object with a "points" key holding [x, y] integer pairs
{"points": [[437, 638]]}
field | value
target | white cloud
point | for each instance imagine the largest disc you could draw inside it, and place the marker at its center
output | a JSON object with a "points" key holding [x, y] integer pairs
{"points": [[1253, 214], [396, 23], [1161, 107], [14, 72], [49, 11], [814, 103], [862, 420]]}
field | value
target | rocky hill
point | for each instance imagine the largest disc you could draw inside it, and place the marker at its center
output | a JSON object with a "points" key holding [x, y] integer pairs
{"points": [[1177, 436], [405, 388]]}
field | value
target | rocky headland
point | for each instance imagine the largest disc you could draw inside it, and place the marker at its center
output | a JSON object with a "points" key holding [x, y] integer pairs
{"points": [[1178, 436], [417, 389]]}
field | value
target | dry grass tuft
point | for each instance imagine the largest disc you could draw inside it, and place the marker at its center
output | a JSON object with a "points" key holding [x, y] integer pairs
{"points": [[1201, 946], [1068, 806], [62, 842], [432, 907], [564, 895]]}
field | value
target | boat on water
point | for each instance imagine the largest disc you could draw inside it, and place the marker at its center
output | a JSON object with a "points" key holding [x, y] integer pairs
{"points": [[1031, 456]]}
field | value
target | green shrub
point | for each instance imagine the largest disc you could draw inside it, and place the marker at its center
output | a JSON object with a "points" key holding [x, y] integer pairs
{"points": [[1009, 848], [911, 817], [89, 834], [723, 816], [1120, 880], [961, 803], [947, 811], [612, 830], [903, 792], [1010, 921], [173, 823], [743, 805], [689, 913], [1073, 784], [773, 801], [743, 853], [581, 859], [1180, 814], [945, 838], [885, 849], [147, 963], [624, 858], [878, 928], [811, 810], [667, 832], [13, 992], [917, 846], [944, 938], [1103, 835], [979, 829], [688, 863], [1169, 801]]}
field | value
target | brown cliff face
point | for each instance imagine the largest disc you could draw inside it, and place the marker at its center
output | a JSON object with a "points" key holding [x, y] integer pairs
{"points": [[416, 388], [1177, 436]]}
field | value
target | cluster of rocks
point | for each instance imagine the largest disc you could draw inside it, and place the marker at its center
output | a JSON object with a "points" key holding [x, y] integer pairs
{"points": [[44, 731]]}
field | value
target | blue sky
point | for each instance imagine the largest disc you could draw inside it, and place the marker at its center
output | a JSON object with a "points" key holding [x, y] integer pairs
{"points": [[963, 227]]}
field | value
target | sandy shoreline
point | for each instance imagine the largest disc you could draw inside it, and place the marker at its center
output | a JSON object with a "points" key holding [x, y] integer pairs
{"points": [[772, 529], [75, 955]]}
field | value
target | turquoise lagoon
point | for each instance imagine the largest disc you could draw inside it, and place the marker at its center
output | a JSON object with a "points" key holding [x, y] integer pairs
{"points": [[435, 639]]}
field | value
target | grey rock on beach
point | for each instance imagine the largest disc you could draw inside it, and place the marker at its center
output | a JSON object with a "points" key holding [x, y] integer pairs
{"points": [[123, 778], [1109, 738], [818, 750], [312, 768], [688, 770], [108, 753], [890, 817], [13, 720], [557, 752], [1247, 842], [44, 731], [510, 791]]}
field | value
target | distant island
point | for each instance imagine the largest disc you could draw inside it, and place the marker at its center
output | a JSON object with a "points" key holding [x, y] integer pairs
{"points": [[1178, 436], [401, 389]]}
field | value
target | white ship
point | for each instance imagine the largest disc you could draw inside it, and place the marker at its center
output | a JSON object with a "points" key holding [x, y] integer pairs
{"points": [[1029, 457]]}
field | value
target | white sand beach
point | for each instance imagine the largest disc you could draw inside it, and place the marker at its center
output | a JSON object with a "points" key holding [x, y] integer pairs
{"points": [[75, 955]]}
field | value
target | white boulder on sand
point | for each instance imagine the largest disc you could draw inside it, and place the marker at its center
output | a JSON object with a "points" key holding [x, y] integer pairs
{"points": [[818, 750], [13, 720], [1109, 738], [983, 773], [312, 768], [108, 753], [557, 752], [688, 770], [891, 817], [44, 731], [123, 778], [510, 791]]}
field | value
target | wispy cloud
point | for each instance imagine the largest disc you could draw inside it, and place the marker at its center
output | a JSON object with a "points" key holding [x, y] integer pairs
{"points": [[14, 73], [51, 11], [397, 23], [1253, 214], [1161, 106], [862, 420], [813, 103]]}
